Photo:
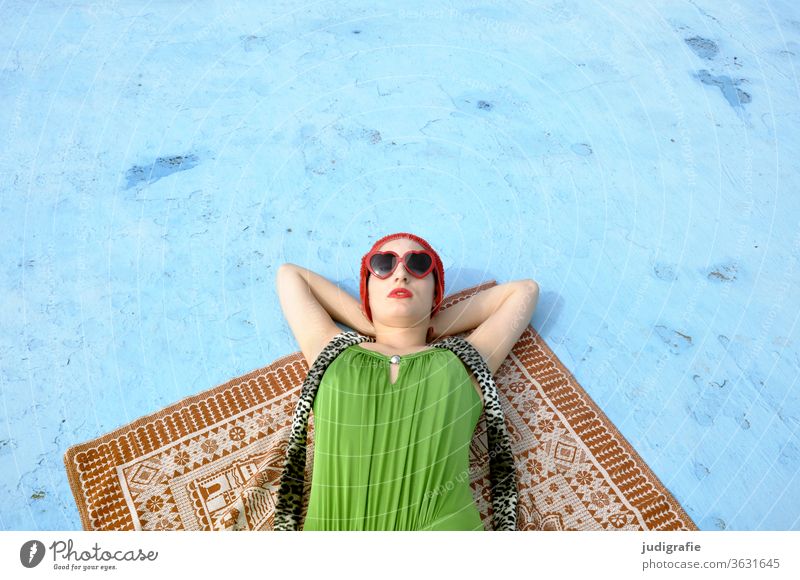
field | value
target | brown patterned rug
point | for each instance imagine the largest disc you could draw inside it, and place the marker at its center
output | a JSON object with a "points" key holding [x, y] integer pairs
{"points": [[213, 461]]}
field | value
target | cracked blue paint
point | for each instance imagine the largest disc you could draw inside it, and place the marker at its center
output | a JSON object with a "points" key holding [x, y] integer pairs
{"points": [[735, 96], [703, 47], [161, 167]]}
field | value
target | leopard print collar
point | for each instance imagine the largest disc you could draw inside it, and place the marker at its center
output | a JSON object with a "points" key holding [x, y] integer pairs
{"points": [[502, 472]]}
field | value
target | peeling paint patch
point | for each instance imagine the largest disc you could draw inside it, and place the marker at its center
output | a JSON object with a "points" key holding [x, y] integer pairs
{"points": [[6, 445], [664, 271], [790, 454], [734, 95], [373, 135], [677, 341], [252, 42], [582, 149], [702, 47], [723, 273], [161, 167], [700, 470], [706, 408]]}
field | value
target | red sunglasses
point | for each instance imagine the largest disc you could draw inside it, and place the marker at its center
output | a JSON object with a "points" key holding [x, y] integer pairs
{"points": [[381, 264]]}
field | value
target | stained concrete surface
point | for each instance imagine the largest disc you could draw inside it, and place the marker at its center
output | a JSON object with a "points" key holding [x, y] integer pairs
{"points": [[638, 160]]}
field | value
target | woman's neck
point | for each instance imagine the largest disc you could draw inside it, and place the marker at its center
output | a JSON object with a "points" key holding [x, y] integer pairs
{"points": [[400, 340]]}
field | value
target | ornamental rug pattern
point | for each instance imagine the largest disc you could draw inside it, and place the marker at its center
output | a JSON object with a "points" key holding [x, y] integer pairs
{"points": [[213, 461]]}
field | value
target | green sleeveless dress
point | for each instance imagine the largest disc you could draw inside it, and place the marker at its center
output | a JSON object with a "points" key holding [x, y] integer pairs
{"points": [[393, 456]]}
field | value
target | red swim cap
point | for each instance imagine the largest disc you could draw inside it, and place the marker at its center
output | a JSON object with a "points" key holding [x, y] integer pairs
{"points": [[438, 269]]}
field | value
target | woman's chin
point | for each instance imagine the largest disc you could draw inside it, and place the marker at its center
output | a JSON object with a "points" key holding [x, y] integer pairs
{"points": [[406, 311]]}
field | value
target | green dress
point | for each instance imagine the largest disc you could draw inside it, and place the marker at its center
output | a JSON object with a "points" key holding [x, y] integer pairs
{"points": [[393, 456]]}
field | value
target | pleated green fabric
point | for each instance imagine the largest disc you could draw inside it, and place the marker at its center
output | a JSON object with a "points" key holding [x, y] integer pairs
{"points": [[393, 456]]}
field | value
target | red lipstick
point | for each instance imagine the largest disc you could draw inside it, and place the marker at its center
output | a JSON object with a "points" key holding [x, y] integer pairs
{"points": [[400, 293]]}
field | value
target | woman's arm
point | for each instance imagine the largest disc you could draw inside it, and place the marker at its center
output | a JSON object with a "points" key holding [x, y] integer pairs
{"points": [[472, 311], [341, 306], [501, 314]]}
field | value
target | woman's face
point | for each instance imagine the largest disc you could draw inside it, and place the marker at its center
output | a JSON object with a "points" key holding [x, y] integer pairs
{"points": [[401, 311]]}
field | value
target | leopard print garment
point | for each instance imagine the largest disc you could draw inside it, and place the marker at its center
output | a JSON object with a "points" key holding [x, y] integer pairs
{"points": [[502, 472]]}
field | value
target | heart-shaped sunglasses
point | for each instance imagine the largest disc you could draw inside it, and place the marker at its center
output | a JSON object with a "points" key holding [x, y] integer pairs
{"points": [[418, 263]]}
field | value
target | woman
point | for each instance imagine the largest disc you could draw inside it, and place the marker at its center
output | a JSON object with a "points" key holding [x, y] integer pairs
{"points": [[393, 417]]}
